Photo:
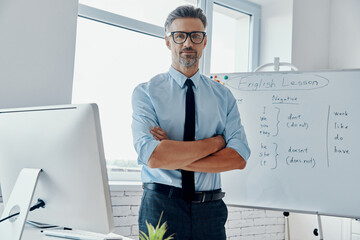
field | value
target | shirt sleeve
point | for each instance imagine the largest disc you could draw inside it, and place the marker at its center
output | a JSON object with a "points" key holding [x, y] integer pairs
{"points": [[234, 133], [143, 117]]}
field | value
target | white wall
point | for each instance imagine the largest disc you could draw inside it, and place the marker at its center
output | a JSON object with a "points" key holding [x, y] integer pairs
{"points": [[276, 30], [326, 34], [344, 44], [37, 46], [311, 27], [313, 35]]}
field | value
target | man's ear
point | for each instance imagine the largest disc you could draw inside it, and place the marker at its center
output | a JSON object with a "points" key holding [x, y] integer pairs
{"points": [[167, 41]]}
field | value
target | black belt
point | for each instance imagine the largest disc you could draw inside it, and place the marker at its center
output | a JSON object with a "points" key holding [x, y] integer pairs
{"points": [[170, 191]]}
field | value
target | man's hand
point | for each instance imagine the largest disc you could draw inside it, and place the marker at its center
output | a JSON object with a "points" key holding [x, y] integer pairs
{"points": [[221, 141], [158, 133]]}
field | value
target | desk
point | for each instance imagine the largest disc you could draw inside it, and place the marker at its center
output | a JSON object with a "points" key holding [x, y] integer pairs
{"points": [[32, 233]]}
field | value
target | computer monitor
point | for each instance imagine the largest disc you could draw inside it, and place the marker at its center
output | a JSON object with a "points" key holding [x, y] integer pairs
{"points": [[64, 141]]}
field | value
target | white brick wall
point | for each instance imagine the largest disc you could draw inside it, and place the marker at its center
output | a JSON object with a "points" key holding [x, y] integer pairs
{"points": [[242, 224]]}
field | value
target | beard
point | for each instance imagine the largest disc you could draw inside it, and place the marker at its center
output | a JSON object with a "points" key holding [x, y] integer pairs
{"points": [[188, 60]]}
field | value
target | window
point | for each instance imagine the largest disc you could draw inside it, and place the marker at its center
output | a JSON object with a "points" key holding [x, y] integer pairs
{"points": [[139, 9], [233, 19], [230, 44], [110, 62], [119, 46]]}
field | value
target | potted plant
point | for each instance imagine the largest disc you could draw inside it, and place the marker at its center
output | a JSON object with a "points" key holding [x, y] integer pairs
{"points": [[155, 233]]}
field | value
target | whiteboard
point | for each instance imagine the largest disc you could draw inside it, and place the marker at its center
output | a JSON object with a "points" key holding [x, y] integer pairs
{"points": [[303, 130]]}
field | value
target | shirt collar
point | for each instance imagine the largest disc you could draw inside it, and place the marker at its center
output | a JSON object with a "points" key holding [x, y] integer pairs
{"points": [[181, 78]]}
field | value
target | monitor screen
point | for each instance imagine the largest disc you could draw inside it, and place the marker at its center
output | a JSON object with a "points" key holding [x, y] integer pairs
{"points": [[65, 142]]}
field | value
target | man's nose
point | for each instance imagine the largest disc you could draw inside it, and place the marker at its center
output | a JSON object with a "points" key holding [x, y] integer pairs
{"points": [[188, 42]]}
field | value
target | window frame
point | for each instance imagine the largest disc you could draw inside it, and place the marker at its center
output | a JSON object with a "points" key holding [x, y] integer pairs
{"points": [[131, 24], [116, 20], [253, 10]]}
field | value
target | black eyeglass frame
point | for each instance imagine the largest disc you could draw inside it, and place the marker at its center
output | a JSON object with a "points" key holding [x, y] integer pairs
{"points": [[187, 35]]}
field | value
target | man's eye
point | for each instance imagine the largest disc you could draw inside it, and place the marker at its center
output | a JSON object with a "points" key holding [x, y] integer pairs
{"points": [[196, 36], [180, 36]]}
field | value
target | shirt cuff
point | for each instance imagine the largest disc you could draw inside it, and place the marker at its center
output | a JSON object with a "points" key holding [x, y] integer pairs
{"points": [[240, 148], [146, 151]]}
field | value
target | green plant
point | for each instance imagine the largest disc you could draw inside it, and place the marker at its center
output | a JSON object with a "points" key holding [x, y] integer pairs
{"points": [[155, 233]]}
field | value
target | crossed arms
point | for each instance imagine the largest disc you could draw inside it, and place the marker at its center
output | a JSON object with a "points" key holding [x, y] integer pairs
{"points": [[220, 153], [206, 155]]}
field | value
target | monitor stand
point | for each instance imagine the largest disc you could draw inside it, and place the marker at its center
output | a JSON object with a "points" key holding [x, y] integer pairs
{"points": [[19, 201]]}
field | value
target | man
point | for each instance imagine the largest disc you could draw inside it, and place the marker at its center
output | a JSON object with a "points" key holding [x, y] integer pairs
{"points": [[186, 131]]}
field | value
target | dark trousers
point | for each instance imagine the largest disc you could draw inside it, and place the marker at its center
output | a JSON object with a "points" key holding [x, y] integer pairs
{"points": [[189, 221]]}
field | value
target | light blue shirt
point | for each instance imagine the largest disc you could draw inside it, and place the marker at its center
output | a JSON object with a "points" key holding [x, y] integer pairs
{"points": [[161, 102]]}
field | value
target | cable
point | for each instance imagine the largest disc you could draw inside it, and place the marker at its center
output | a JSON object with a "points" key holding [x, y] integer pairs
{"points": [[40, 204]]}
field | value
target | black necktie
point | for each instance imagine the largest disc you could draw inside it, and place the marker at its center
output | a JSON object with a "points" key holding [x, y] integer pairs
{"points": [[188, 184]]}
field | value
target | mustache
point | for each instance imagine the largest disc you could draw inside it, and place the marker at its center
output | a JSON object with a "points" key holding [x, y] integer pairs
{"points": [[188, 49]]}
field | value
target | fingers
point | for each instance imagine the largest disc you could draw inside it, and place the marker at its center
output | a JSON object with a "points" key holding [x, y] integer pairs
{"points": [[158, 133], [158, 136]]}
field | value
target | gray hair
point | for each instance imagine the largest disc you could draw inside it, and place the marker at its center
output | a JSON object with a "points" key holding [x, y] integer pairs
{"points": [[184, 12]]}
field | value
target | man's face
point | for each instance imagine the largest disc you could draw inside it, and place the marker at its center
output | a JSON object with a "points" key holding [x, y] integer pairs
{"points": [[186, 54]]}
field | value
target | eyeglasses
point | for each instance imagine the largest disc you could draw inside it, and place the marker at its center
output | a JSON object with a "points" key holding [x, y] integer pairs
{"points": [[179, 37]]}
